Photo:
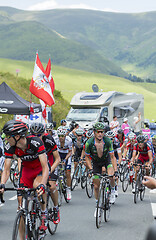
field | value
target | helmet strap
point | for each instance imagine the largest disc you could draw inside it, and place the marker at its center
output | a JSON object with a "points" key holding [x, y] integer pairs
{"points": [[16, 141]]}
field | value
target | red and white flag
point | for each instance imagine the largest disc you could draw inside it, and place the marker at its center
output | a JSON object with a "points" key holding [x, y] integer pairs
{"points": [[42, 84]]}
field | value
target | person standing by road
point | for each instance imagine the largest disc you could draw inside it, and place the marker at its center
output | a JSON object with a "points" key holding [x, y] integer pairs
{"points": [[125, 127], [136, 125], [114, 125]]}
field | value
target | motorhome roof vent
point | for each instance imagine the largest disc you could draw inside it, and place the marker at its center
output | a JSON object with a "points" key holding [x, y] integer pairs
{"points": [[90, 97]]}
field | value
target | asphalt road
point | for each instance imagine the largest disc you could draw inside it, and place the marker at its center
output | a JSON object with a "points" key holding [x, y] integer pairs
{"points": [[128, 221]]}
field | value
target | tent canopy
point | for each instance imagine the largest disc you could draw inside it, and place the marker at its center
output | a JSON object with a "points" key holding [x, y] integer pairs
{"points": [[12, 103]]}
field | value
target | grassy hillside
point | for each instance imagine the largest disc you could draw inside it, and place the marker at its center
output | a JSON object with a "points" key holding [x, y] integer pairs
{"points": [[127, 39], [21, 40], [21, 87], [70, 81]]}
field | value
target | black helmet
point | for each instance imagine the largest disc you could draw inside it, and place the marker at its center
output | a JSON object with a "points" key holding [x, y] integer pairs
{"points": [[120, 131], [49, 126], [141, 139], [13, 128], [110, 134], [37, 128], [106, 128]]}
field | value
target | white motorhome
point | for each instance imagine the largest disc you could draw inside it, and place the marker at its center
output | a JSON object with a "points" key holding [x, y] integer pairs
{"points": [[90, 107]]}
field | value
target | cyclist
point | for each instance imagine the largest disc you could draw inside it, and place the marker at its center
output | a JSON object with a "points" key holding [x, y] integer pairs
{"points": [[64, 145], [63, 122], [49, 129], [129, 146], [99, 149], [121, 138], [78, 146], [38, 130], [117, 152], [145, 155], [34, 166]]}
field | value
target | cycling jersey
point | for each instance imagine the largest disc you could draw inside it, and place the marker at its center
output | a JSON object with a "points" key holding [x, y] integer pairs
{"points": [[143, 153], [63, 151], [50, 146], [30, 163], [117, 149], [90, 149], [78, 148]]}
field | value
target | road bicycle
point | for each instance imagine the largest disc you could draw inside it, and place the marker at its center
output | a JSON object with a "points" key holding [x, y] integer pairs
{"points": [[103, 204], [139, 187], [79, 175], [62, 184], [127, 177], [28, 218]]}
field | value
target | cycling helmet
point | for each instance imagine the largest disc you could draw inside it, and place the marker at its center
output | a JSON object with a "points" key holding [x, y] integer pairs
{"points": [[131, 136], [37, 128], [63, 120], [107, 128], [154, 137], [141, 139], [110, 134], [13, 128], [98, 126], [89, 133], [146, 136], [79, 131], [61, 131], [49, 126], [120, 131]]}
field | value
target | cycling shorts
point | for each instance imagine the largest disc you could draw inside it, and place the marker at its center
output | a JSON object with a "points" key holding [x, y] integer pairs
{"points": [[28, 175], [68, 162], [97, 166]]}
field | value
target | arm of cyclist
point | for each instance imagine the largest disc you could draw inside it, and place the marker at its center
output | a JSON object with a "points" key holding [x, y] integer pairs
{"points": [[6, 173], [133, 158], [150, 183], [68, 155], [150, 155], [45, 173], [57, 160], [88, 162]]}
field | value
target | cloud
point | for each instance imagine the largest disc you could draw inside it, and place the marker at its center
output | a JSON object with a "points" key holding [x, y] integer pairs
{"points": [[52, 4]]}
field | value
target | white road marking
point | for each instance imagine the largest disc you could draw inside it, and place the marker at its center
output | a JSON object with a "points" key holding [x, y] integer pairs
{"points": [[13, 198]]}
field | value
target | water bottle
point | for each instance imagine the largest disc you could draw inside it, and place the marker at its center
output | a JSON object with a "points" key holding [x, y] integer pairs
{"points": [[131, 175]]}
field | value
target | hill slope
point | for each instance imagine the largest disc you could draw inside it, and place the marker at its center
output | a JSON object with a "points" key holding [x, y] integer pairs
{"points": [[21, 87], [21, 39], [127, 39]]}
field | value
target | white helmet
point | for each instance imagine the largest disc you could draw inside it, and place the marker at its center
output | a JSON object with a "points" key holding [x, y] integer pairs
{"points": [[61, 131]]}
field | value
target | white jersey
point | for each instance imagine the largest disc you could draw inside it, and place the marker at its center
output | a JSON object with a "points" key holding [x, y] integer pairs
{"points": [[67, 145]]}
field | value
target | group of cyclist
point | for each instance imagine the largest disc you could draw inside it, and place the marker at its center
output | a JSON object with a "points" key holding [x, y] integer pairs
{"points": [[41, 149]]}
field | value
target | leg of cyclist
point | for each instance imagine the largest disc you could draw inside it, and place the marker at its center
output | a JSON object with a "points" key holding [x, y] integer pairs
{"points": [[68, 176]]}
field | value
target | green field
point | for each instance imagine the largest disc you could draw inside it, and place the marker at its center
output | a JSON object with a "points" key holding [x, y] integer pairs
{"points": [[70, 81]]}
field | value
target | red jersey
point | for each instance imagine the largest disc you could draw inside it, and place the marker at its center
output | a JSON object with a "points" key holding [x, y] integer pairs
{"points": [[143, 153]]}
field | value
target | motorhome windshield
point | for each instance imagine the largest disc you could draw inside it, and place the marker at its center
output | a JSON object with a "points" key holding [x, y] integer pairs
{"points": [[83, 114]]}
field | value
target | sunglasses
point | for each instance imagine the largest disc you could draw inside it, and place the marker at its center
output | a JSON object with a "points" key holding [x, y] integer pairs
{"points": [[100, 131], [79, 135], [6, 136], [61, 135]]}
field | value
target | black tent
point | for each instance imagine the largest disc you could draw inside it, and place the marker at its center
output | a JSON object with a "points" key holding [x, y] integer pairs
{"points": [[12, 103]]}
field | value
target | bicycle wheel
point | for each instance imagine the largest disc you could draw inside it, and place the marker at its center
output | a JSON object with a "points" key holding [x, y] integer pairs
{"points": [[51, 226], [89, 186], [136, 194], [19, 223], [106, 203], [75, 178], [125, 181], [83, 177], [100, 204], [142, 189], [15, 176], [58, 186], [122, 171]]}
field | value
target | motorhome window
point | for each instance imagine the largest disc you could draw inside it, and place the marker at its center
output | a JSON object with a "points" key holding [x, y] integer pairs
{"points": [[104, 112], [123, 111], [90, 97], [83, 114]]}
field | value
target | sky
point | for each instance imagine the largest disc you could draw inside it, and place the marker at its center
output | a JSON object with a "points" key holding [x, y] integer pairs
{"points": [[124, 6]]}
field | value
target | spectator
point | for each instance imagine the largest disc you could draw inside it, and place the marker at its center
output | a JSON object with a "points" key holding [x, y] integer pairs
{"points": [[149, 182], [146, 130], [136, 125], [63, 122], [114, 125], [125, 127]]}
